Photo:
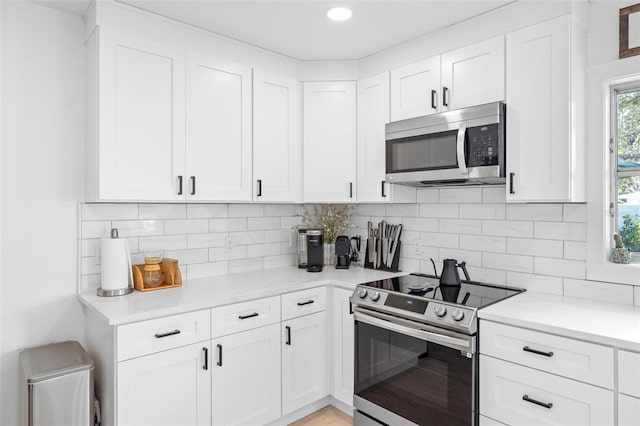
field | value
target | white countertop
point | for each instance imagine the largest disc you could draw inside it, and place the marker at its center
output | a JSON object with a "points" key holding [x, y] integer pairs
{"points": [[203, 293], [600, 322]]}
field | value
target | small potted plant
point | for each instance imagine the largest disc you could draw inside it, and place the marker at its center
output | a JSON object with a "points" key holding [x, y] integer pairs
{"points": [[620, 253]]}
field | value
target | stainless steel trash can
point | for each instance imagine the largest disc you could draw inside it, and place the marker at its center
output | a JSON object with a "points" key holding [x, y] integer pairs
{"points": [[59, 384]]}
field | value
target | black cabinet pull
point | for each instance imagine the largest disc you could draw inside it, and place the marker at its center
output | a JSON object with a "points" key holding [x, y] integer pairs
{"points": [[193, 185], [434, 94], [444, 96], [383, 194], [206, 358], [288, 342], [511, 175], [255, 314], [537, 352], [308, 302], [219, 355], [259, 188], [350, 189], [533, 401], [170, 333], [180, 185]]}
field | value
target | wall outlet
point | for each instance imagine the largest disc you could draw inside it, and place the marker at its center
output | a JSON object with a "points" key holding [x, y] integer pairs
{"points": [[417, 247], [228, 244]]}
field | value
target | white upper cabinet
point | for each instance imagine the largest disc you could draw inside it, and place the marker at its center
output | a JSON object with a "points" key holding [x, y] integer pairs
{"points": [[329, 138], [414, 89], [277, 138], [373, 115], [135, 118], [472, 75], [545, 89], [218, 123]]}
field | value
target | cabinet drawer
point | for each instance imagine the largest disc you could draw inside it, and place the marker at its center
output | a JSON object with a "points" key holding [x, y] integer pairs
{"points": [[145, 337], [628, 411], [304, 302], [628, 373], [570, 358], [517, 395], [244, 316]]}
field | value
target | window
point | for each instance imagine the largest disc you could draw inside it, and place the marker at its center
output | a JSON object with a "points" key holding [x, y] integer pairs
{"points": [[625, 143]]}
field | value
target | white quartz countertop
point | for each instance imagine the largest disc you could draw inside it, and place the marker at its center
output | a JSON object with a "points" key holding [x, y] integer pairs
{"points": [[203, 293], [599, 322]]}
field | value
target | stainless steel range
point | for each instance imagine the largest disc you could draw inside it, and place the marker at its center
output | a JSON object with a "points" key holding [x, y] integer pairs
{"points": [[416, 358]]}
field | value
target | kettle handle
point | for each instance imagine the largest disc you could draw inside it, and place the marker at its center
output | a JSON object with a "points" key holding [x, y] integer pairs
{"points": [[462, 265]]}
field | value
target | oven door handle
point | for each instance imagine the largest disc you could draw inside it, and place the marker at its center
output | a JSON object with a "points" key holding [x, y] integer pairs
{"points": [[464, 343], [462, 164]]}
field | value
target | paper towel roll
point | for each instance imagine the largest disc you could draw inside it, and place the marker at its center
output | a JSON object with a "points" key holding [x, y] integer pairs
{"points": [[116, 263]]}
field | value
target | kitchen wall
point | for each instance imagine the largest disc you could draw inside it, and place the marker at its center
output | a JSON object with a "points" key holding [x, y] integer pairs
{"points": [[41, 182]]}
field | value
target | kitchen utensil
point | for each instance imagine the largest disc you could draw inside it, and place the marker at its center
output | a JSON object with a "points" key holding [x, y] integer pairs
{"points": [[117, 277], [356, 243], [343, 249], [449, 275], [396, 240]]}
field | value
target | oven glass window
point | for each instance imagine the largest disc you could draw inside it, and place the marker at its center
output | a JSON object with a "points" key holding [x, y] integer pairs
{"points": [[425, 152], [423, 382]]}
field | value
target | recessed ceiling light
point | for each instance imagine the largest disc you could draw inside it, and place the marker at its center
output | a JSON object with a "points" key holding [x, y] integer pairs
{"points": [[339, 14]]}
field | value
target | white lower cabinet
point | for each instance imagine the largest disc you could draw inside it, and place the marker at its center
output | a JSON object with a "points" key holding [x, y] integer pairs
{"points": [[343, 350], [166, 388], [628, 410], [245, 377], [304, 361]]}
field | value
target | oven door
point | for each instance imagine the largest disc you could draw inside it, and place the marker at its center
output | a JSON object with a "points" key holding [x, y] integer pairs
{"points": [[412, 374]]}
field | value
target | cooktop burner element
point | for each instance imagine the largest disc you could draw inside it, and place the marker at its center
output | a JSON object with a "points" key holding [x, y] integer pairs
{"points": [[420, 298]]}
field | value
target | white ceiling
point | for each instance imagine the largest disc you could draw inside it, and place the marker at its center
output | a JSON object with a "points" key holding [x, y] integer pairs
{"points": [[300, 29]]}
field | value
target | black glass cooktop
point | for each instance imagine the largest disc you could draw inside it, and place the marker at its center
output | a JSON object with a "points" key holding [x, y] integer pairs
{"points": [[470, 293]]}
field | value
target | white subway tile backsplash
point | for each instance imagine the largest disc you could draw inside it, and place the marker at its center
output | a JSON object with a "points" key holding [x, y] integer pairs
{"points": [[507, 262], [575, 213], [427, 196], [95, 229], [279, 210], [494, 195], [90, 248], [203, 270], [186, 226], [461, 195], [541, 212], [410, 265], [207, 240], [487, 275], [207, 211], [560, 231], [261, 250], [575, 250], [219, 254], [560, 267], [172, 242], [281, 236], [246, 265], [439, 210], [460, 226], [100, 211], [285, 248], [281, 261], [473, 258], [482, 211], [507, 228], [418, 224], [90, 265], [163, 211], [290, 222], [542, 283], [483, 243], [90, 282], [370, 210], [139, 228], [263, 223], [402, 210], [188, 257], [227, 225], [531, 247], [436, 239], [246, 238], [246, 210], [601, 291]]}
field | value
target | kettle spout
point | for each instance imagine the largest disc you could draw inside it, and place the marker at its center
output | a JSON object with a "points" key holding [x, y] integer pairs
{"points": [[435, 270]]}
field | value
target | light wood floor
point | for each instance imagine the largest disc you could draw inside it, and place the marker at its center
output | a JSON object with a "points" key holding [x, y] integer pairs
{"points": [[327, 416]]}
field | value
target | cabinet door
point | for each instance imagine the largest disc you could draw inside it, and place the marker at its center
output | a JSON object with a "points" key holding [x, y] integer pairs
{"points": [[415, 89], [246, 377], [141, 119], [277, 138], [628, 410], [538, 111], [329, 135], [343, 344], [304, 361], [167, 388], [218, 130], [473, 75]]}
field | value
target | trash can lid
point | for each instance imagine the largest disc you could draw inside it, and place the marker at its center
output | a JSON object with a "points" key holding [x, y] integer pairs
{"points": [[54, 360]]}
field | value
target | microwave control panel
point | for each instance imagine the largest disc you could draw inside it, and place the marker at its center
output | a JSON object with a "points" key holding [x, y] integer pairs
{"points": [[482, 145]]}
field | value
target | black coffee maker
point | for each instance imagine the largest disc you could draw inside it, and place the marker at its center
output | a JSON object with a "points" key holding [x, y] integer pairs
{"points": [[343, 252], [315, 250]]}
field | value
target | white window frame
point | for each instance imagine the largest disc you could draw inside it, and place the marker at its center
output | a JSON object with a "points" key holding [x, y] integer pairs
{"points": [[602, 79]]}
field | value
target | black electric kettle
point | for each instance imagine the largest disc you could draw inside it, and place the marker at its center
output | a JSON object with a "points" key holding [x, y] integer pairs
{"points": [[449, 275]]}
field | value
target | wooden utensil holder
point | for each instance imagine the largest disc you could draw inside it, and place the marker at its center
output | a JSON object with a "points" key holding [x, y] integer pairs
{"points": [[170, 269]]}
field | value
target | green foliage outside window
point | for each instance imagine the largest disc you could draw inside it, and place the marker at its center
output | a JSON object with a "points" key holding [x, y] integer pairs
{"points": [[630, 232], [628, 117]]}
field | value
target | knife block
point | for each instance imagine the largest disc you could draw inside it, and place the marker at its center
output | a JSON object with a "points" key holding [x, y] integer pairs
{"points": [[394, 264]]}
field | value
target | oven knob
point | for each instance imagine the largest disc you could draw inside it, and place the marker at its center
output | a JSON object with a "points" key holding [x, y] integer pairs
{"points": [[440, 311], [375, 296], [362, 294], [457, 315]]}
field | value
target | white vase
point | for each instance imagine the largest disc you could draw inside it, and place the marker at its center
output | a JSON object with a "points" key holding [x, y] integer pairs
{"points": [[329, 254]]}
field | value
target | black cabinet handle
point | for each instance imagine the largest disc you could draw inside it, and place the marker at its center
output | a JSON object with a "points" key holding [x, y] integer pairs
{"points": [[383, 194], [537, 352], [255, 314], [180, 185], [219, 355], [259, 188], [511, 175], [308, 302], [288, 342], [444, 96], [206, 358], [533, 401], [350, 189], [193, 185], [170, 333], [434, 95]]}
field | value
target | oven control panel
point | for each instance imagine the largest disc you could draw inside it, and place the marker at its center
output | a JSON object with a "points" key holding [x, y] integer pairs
{"points": [[450, 314]]}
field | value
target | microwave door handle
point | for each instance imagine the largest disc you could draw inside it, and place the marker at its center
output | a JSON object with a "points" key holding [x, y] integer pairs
{"points": [[462, 164]]}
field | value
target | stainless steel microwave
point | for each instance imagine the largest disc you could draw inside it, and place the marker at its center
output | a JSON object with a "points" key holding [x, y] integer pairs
{"points": [[459, 147]]}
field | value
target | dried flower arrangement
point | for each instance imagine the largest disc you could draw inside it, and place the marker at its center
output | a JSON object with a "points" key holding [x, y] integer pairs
{"points": [[332, 219]]}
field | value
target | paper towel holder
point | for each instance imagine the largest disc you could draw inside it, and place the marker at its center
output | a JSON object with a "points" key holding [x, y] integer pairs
{"points": [[119, 291]]}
